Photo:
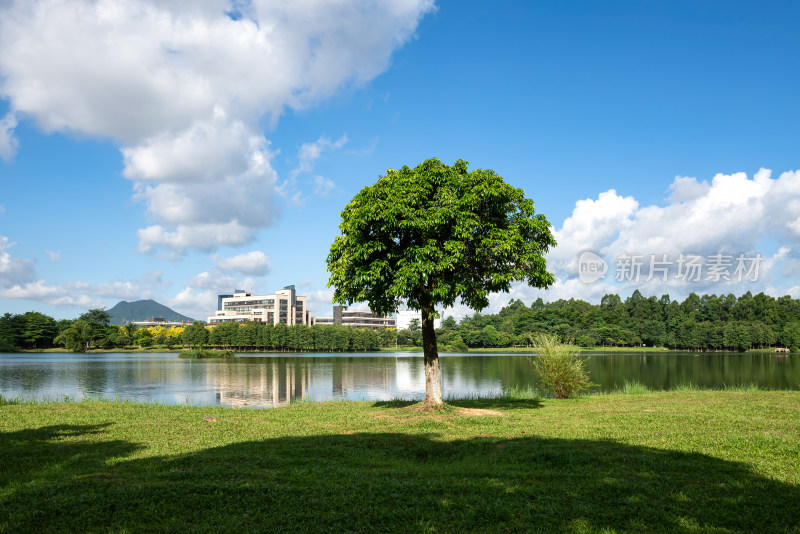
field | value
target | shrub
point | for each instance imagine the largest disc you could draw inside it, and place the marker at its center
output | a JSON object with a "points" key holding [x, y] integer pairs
{"points": [[633, 387], [458, 344], [201, 354], [558, 367]]}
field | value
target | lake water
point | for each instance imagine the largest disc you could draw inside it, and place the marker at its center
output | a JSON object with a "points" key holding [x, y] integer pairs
{"points": [[276, 379]]}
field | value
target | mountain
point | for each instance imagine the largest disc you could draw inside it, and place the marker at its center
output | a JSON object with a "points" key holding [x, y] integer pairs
{"points": [[142, 310]]}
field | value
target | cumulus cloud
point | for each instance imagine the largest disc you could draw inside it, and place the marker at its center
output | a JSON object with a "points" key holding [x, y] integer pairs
{"points": [[732, 215], [198, 299], [200, 236], [254, 263], [54, 256], [73, 294], [8, 141], [729, 216], [182, 86], [14, 271], [195, 303]]}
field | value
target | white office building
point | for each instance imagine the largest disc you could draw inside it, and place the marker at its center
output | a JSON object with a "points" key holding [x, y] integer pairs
{"points": [[403, 319], [355, 319], [285, 306]]}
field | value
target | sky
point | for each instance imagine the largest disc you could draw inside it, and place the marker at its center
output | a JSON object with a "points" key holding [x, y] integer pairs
{"points": [[178, 150]]}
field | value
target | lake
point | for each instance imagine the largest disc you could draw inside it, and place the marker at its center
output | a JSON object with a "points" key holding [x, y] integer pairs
{"points": [[267, 380]]}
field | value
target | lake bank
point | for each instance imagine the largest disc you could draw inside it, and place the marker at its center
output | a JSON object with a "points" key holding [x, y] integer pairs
{"points": [[690, 460], [412, 350]]}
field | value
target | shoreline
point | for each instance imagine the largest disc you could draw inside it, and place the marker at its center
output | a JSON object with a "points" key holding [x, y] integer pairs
{"points": [[412, 350]]}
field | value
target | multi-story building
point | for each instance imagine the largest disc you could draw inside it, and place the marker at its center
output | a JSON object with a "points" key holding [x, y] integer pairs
{"points": [[285, 306], [355, 318], [404, 317]]}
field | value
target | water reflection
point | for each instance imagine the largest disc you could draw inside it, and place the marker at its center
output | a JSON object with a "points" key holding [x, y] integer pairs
{"points": [[266, 381]]}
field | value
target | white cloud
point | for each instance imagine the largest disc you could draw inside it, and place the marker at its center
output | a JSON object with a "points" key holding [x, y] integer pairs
{"points": [[593, 225], [309, 153], [199, 298], [200, 236], [54, 295], [733, 215], [54, 256], [254, 263], [193, 303], [181, 86], [320, 302], [218, 282], [323, 186], [8, 141], [14, 271], [79, 293]]}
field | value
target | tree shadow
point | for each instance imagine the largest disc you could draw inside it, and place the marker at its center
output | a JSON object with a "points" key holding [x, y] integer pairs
{"points": [[394, 403], [47, 453], [389, 482], [501, 403], [483, 403]]}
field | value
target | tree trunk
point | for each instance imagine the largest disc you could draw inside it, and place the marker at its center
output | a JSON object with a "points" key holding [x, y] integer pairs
{"points": [[433, 374]]}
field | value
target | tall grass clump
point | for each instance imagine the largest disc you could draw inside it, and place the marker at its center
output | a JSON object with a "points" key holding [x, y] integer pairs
{"points": [[200, 354], [558, 368], [633, 387]]}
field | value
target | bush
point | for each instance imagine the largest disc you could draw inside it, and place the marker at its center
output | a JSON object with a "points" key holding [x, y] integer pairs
{"points": [[560, 371], [201, 354], [633, 387], [458, 345]]}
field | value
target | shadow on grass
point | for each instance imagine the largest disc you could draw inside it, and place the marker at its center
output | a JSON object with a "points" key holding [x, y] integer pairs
{"points": [[501, 403], [394, 403], [381, 482], [488, 403]]}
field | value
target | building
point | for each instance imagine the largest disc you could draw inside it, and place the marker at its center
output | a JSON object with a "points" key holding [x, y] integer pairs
{"points": [[355, 318], [404, 317], [285, 306], [157, 321]]}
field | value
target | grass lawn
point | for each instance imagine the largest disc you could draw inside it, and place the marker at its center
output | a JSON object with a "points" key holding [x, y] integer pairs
{"points": [[681, 461]]}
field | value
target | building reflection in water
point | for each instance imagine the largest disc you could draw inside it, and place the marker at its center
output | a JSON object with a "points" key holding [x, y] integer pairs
{"points": [[279, 381], [272, 384]]}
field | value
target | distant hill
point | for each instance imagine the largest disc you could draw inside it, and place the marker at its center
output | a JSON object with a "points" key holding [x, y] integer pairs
{"points": [[142, 310]]}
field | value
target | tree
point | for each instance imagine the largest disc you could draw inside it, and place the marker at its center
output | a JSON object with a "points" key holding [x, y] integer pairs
{"points": [[195, 335], [77, 336], [790, 337], [39, 329], [96, 315], [431, 235]]}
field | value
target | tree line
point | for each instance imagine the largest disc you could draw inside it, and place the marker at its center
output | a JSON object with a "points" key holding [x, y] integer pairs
{"points": [[707, 322], [91, 330]]}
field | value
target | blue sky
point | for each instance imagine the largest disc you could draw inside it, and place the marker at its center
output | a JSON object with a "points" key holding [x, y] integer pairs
{"points": [[173, 153]]}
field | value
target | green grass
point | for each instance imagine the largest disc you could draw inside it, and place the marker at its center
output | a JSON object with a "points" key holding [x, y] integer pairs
{"points": [[679, 461]]}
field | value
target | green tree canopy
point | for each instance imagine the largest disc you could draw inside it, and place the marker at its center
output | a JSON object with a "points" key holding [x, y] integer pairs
{"points": [[96, 315], [433, 234]]}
